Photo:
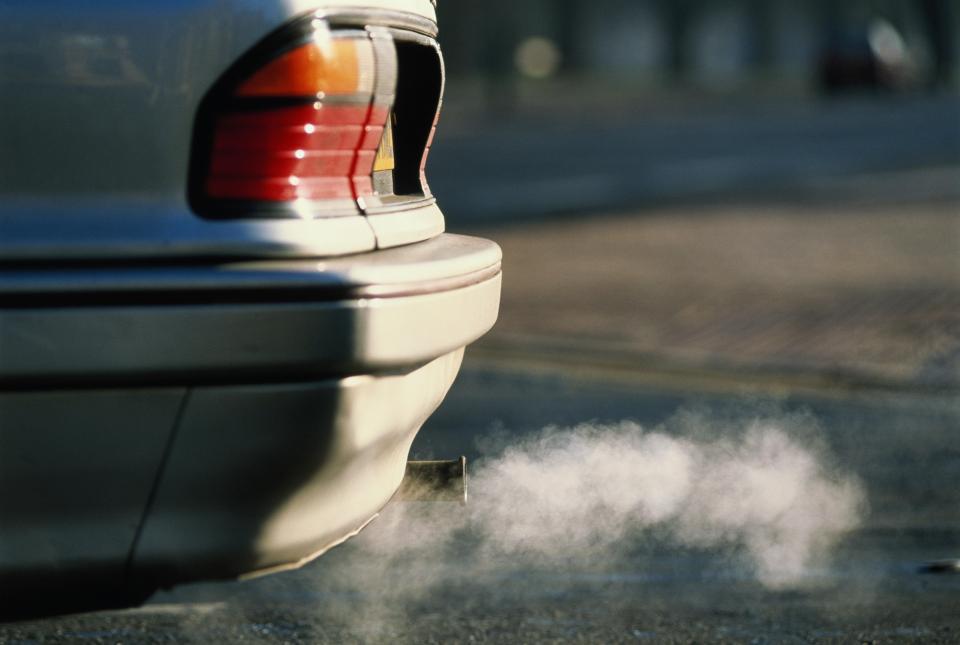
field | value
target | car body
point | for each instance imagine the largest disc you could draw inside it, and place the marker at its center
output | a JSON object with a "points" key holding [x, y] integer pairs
{"points": [[198, 384]]}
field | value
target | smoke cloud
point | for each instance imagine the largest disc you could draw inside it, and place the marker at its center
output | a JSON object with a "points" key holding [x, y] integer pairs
{"points": [[764, 493]]}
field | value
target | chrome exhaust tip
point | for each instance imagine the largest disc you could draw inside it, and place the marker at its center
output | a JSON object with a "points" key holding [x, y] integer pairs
{"points": [[434, 481]]}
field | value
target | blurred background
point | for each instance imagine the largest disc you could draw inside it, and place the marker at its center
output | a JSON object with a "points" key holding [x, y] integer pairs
{"points": [[612, 48], [748, 188]]}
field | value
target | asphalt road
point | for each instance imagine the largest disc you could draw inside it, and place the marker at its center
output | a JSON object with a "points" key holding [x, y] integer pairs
{"points": [[400, 582]]}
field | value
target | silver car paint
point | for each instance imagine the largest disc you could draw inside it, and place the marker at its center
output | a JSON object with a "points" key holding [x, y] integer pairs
{"points": [[97, 104]]}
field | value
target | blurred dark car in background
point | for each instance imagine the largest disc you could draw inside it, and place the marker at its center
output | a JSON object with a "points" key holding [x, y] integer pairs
{"points": [[868, 56]]}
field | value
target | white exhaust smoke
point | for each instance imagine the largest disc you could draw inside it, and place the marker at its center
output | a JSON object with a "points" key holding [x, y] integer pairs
{"points": [[764, 491]]}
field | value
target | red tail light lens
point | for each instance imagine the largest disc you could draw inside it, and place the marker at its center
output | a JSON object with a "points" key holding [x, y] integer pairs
{"points": [[297, 134]]}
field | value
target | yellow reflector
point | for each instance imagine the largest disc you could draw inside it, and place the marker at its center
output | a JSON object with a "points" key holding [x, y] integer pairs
{"points": [[331, 67], [384, 158]]}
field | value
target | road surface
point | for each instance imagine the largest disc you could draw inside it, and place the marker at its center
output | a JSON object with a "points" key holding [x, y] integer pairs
{"points": [[385, 588]]}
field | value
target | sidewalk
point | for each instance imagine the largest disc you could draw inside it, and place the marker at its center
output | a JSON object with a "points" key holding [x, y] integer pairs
{"points": [[851, 296]]}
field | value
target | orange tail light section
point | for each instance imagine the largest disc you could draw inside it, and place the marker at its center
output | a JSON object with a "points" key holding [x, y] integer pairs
{"points": [[331, 66]]}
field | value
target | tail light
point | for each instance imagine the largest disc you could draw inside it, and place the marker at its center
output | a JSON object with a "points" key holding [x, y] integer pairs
{"points": [[304, 124]]}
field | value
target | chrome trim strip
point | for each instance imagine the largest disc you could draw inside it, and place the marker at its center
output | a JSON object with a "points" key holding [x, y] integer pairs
{"points": [[184, 295], [452, 260]]}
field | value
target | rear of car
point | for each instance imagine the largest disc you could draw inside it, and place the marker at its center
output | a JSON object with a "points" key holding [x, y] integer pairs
{"points": [[227, 301]]}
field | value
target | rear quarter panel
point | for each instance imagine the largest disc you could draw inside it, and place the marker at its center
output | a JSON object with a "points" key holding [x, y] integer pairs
{"points": [[97, 105]]}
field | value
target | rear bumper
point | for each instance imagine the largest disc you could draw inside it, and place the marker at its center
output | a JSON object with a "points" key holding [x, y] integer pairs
{"points": [[247, 322], [261, 478], [110, 494], [163, 425]]}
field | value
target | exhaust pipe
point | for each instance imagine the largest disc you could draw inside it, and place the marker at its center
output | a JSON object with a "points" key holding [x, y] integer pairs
{"points": [[434, 481]]}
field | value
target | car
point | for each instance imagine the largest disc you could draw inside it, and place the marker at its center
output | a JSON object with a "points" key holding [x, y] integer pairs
{"points": [[227, 298], [865, 55]]}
